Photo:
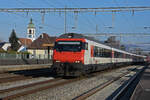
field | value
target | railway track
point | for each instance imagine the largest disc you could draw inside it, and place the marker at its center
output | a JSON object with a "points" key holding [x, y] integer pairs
{"points": [[39, 86], [22, 75], [15, 92], [13, 78], [7, 75], [99, 87], [23, 90]]}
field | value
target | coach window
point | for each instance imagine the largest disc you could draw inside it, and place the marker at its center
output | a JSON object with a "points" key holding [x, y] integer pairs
{"points": [[101, 51], [120, 55], [98, 49], [95, 51], [107, 53], [128, 56], [116, 54]]}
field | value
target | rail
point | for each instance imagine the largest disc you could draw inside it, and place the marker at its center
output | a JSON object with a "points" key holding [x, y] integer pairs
{"points": [[36, 89], [94, 90], [125, 91]]}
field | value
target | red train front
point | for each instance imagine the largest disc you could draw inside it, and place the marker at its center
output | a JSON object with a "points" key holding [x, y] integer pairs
{"points": [[68, 57]]}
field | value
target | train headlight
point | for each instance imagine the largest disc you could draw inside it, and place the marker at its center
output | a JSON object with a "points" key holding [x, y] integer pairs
{"points": [[57, 61], [77, 61]]}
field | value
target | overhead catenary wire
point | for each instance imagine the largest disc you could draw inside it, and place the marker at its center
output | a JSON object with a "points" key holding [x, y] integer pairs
{"points": [[131, 24], [42, 18], [104, 9], [88, 20], [90, 23], [51, 27], [101, 9], [77, 18]]}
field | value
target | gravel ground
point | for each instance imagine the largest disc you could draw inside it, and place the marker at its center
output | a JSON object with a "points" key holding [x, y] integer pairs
{"points": [[104, 93], [70, 91], [23, 82], [27, 89]]}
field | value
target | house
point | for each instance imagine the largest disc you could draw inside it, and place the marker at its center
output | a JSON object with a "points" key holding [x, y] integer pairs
{"points": [[42, 47], [4, 46], [24, 43]]}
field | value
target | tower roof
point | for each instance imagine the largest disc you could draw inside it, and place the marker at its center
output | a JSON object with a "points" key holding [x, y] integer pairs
{"points": [[31, 25]]}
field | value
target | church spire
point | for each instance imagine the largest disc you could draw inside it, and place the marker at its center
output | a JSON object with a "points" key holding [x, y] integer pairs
{"points": [[31, 20], [31, 25]]}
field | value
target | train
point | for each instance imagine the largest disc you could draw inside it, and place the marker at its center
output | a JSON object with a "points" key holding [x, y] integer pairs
{"points": [[76, 54]]}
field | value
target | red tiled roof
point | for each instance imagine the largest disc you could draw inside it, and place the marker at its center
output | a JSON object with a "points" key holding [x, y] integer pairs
{"points": [[42, 39], [25, 41]]}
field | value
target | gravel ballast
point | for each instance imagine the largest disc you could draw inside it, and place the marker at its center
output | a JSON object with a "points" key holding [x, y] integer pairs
{"points": [[70, 91]]}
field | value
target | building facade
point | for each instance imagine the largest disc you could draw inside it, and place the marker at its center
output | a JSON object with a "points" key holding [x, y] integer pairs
{"points": [[38, 48]]}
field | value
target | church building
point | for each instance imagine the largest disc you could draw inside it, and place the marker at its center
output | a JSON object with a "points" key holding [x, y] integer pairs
{"points": [[40, 47], [25, 42]]}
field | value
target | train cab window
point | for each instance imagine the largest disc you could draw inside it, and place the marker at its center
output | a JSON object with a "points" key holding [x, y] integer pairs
{"points": [[86, 46], [72, 46]]}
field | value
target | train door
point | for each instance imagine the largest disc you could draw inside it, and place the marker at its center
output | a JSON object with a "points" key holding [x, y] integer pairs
{"points": [[112, 56], [86, 54]]}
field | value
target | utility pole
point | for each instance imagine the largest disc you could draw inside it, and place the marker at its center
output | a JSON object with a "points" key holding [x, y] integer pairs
{"points": [[65, 21], [113, 18], [96, 28]]}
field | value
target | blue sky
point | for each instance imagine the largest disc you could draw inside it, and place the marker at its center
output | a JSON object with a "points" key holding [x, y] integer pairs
{"points": [[85, 23]]}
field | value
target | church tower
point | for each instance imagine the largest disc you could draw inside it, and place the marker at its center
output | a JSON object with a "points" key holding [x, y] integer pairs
{"points": [[31, 31]]}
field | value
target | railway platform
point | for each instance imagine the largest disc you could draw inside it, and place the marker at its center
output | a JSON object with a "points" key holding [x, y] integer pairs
{"points": [[6, 68], [142, 90]]}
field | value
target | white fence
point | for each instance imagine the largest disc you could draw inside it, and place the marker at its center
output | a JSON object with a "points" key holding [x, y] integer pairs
{"points": [[24, 56]]}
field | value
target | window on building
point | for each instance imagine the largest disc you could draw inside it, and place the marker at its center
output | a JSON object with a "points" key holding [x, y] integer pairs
{"points": [[30, 31], [46, 52], [34, 53]]}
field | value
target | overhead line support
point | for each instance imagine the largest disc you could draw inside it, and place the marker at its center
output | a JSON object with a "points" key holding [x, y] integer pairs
{"points": [[102, 9]]}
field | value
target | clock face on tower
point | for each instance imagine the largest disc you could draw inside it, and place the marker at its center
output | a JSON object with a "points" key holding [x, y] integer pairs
{"points": [[30, 36]]}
